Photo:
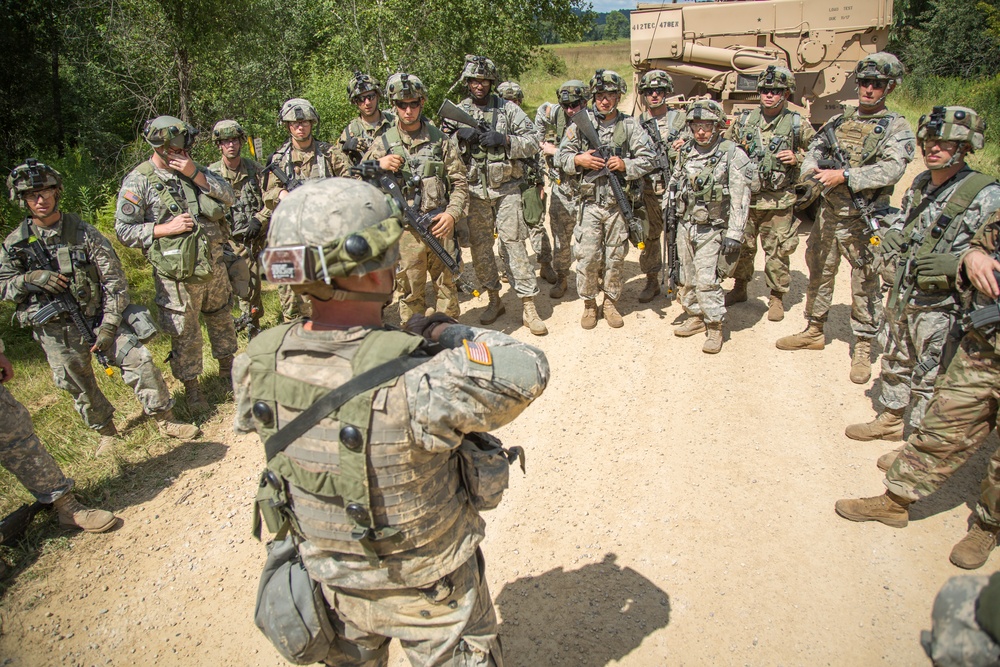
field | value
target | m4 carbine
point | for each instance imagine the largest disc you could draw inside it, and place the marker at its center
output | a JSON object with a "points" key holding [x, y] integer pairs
{"points": [[840, 160]]}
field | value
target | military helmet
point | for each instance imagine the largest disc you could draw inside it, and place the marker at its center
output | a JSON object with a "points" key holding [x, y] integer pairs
{"points": [[361, 84], [706, 110], [164, 130], [479, 67], [403, 86], [776, 76], [655, 78], [510, 90], [960, 124], [298, 109], [573, 90], [882, 65], [32, 175], [228, 129], [607, 81]]}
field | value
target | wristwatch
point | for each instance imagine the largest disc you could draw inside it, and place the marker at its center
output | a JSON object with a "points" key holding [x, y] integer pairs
{"points": [[847, 174]]}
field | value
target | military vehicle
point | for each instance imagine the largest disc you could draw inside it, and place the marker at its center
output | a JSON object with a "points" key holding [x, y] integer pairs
{"points": [[718, 48]]}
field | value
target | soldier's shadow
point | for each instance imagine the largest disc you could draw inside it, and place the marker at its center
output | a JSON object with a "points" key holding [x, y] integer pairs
{"points": [[961, 487], [580, 618]]}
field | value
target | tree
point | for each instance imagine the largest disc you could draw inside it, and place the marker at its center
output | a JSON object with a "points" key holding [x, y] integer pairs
{"points": [[616, 26], [953, 40]]}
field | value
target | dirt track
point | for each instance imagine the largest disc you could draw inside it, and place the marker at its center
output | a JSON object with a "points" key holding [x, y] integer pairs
{"points": [[678, 509]]}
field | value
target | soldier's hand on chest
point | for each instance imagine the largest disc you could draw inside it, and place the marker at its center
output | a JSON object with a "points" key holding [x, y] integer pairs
{"points": [[50, 281], [179, 224], [391, 162], [787, 157], [615, 163]]}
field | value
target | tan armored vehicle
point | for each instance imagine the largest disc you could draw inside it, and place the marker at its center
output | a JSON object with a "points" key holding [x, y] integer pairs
{"points": [[717, 48]]}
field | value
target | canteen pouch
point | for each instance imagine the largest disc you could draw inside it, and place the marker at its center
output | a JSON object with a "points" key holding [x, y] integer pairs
{"points": [[210, 209], [484, 465], [140, 321], [185, 258]]}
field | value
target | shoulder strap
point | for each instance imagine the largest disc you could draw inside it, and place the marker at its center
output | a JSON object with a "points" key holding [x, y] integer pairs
{"points": [[70, 229], [968, 190]]}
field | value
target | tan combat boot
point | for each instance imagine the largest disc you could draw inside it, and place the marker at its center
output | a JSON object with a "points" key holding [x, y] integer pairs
{"points": [[612, 315], [886, 460], [589, 319], [887, 426], [974, 549], [888, 508], [738, 294], [196, 401], [692, 325], [226, 368], [530, 318], [810, 339], [861, 362], [173, 428], [713, 344], [651, 289], [547, 273], [72, 513], [494, 310], [559, 287], [775, 307], [109, 438]]}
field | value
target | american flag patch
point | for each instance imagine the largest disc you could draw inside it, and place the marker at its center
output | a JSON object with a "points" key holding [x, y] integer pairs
{"points": [[478, 353], [132, 197]]}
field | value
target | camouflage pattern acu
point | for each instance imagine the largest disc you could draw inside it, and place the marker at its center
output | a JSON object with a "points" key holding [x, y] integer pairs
{"points": [[403, 86], [776, 76], [503, 214], [228, 129], [960, 124], [298, 109], [23, 455], [656, 79], [552, 121], [700, 294], [32, 175], [510, 91], [709, 110], [762, 138], [169, 130], [607, 81], [359, 135], [778, 232], [956, 638], [882, 66], [479, 67], [361, 84], [319, 160], [663, 131]]}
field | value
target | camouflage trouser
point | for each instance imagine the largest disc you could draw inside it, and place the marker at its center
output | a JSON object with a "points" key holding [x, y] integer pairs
{"points": [[961, 414], [563, 207], [293, 306], [600, 243], [416, 263], [506, 216], [211, 300], [534, 218], [23, 455], [253, 300], [832, 237], [698, 248], [912, 359], [777, 229], [72, 370], [436, 628], [651, 257], [956, 637]]}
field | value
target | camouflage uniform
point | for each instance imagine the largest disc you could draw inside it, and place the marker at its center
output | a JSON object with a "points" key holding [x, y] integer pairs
{"points": [[662, 131], [67, 352], [140, 207], [564, 191], [534, 210], [957, 638], [364, 134]]}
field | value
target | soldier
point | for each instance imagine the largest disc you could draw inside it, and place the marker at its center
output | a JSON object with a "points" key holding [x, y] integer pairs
{"points": [[564, 195], [941, 213], [494, 158], [23, 455], [664, 126], [423, 582], [371, 123], [168, 196], [602, 236], [880, 145], [301, 158], [248, 218], [712, 181], [961, 413], [432, 175], [775, 138], [532, 196], [52, 254]]}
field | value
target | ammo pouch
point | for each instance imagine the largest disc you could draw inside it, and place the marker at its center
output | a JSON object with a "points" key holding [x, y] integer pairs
{"points": [[140, 322], [186, 258], [484, 465], [239, 271], [210, 209]]}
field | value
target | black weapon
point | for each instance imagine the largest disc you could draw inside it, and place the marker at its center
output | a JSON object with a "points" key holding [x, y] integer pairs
{"points": [[672, 263], [450, 111], [840, 160], [419, 222], [15, 523], [635, 234], [662, 159], [288, 181]]}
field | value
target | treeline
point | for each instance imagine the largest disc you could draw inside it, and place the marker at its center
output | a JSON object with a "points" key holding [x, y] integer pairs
{"points": [[600, 26]]}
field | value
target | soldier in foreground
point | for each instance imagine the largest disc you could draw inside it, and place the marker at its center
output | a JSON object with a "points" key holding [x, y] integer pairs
{"points": [[942, 211], [402, 558], [961, 413], [167, 196], [70, 288], [371, 123], [248, 218], [774, 138], [602, 241], [878, 144], [712, 181]]}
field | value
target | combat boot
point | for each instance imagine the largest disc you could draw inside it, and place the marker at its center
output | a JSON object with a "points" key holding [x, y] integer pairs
{"points": [[974, 549], [226, 368], [810, 339], [738, 294], [861, 362], [548, 273], [887, 426], [612, 315], [651, 289], [109, 438], [886, 460], [775, 307], [530, 318], [888, 508], [72, 513], [171, 427], [494, 310], [713, 344], [196, 401], [692, 325], [589, 319], [559, 287]]}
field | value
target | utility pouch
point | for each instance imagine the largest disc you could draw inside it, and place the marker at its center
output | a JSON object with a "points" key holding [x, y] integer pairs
{"points": [[484, 465], [186, 258], [239, 271], [140, 321], [210, 209], [270, 500], [64, 260], [933, 283]]}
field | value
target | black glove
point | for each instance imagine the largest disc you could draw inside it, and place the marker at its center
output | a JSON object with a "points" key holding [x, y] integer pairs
{"points": [[351, 145], [41, 279], [253, 229], [729, 246], [468, 134], [422, 325], [937, 264], [892, 240], [492, 139], [105, 337]]}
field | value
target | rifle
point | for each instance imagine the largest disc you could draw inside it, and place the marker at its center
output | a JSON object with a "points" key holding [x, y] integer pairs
{"points": [[288, 181], [15, 523], [450, 111], [419, 222], [635, 234], [671, 262], [840, 160]]}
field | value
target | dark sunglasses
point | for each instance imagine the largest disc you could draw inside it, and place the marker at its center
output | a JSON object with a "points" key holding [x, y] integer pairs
{"points": [[571, 105], [367, 97], [877, 84], [772, 91], [407, 105]]}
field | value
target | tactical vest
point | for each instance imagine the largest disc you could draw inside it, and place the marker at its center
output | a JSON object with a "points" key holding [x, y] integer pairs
{"points": [[195, 202], [283, 156], [365, 134], [763, 148], [423, 173], [356, 484], [702, 188], [248, 204], [497, 153], [861, 138], [619, 141], [657, 179]]}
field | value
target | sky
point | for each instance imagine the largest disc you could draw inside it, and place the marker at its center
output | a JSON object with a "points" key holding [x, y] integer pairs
{"points": [[612, 5]]}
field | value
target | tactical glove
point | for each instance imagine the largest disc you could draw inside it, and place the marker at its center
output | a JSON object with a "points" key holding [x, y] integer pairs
{"points": [[41, 279], [937, 264], [422, 325], [892, 240], [253, 229], [492, 139], [729, 246], [105, 337], [468, 134]]}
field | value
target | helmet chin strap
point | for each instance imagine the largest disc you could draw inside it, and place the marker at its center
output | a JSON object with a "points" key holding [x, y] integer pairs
{"points": [[889, 86], [320, 290], [952, 161]]}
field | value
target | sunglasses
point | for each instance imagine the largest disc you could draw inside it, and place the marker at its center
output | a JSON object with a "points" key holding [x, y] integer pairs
{"points": [[877, 84], [367, 97], [571, 105], [772, 91], [407, 105]]}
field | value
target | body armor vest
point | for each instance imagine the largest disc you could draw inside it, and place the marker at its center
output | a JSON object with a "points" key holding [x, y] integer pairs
{"points": [[762, 145], [365, 134], [249, 202], [284, 158], [860, 138], [619, 142], [423, 173], [192, 199]]}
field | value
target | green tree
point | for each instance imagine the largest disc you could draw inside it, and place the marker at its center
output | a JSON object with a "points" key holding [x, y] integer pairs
{"points": [[953, 40], [616, 26]]}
